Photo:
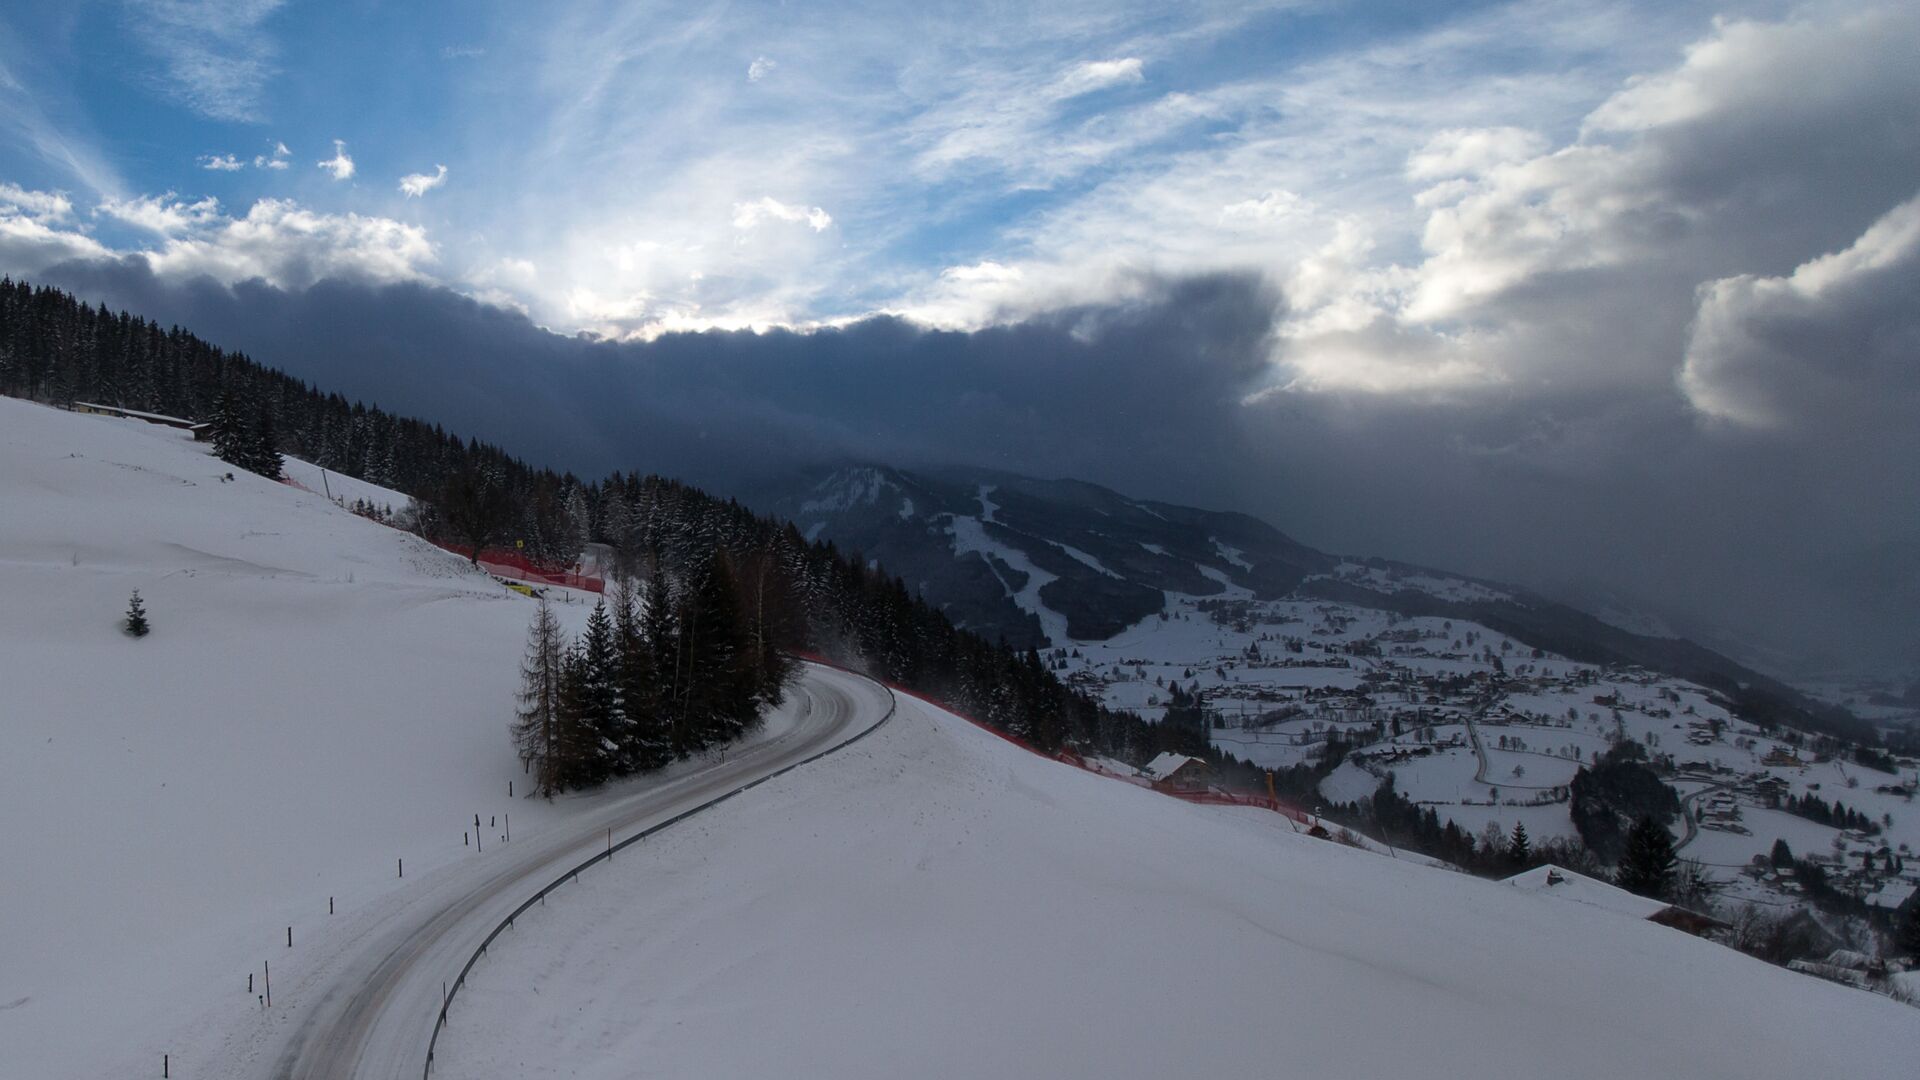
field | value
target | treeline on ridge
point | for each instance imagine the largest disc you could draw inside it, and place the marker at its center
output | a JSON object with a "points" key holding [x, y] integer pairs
{"points": [[801, 596]]}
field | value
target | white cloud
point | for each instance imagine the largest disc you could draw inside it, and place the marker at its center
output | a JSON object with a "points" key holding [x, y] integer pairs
{"points": [[162, 214], [1468, 152], [1098, 75], [415, 185], [29, 245], [287, 245], [461, 52], [1277, 205], [760, 68], [278, 158], [749, 215], [221, 163], [277, 241], [37, 205], [215, 55], [340, 165]]}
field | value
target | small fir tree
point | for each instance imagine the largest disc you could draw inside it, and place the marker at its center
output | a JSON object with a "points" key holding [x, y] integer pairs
{"points": [[1647, 866], [136, 621], [1519, 848]]}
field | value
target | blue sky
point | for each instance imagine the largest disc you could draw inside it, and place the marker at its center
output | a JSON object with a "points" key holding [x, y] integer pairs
{"points": [[628, 167]]}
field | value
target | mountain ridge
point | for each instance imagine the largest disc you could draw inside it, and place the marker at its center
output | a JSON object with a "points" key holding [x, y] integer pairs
{"points": [[1043, 563]]}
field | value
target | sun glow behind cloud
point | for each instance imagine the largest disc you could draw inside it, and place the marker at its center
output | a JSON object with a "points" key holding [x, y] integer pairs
{"points": [[1400, 190]]}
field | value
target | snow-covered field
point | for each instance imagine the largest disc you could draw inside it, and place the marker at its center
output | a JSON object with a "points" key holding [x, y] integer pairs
{"points": [[319, 697], [934, 902]]}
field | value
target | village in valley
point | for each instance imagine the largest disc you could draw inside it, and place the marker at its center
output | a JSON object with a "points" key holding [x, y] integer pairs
{"points": [[1489, 733]]}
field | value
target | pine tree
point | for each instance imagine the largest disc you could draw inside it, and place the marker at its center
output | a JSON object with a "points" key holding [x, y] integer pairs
{"points": [[136, 621], [229, 428], [1647, 865], [660, 631], [571, 738], [645, 744], [597, 700], [717, 698], [536, 728], [1519, 849], [263, 456], [1782, 856]]}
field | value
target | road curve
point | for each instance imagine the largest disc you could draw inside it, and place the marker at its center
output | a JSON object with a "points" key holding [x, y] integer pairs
{"points": [[375, 1014]]}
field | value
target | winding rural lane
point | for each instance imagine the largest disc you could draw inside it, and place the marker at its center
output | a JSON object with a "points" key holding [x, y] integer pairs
{"points": [[374, 1012]]}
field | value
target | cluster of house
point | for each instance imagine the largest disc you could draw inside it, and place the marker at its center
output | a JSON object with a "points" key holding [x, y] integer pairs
{"points": [[1720, 811]]}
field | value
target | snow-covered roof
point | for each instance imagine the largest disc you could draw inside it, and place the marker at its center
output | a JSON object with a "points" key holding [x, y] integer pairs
{"points": [[136, 414], [1556, 881], [1850, 958], [1891, 895], [1167, 764]]}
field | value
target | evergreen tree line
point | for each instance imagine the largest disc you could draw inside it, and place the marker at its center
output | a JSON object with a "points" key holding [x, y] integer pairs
{"points": [[243, 435], [57, 349], [803, 596], [1835, 814], [654, 678], [1608, 798]]}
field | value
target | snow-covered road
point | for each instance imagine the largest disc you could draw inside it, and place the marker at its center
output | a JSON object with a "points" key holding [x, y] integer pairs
{"points": [[369, 1010]]}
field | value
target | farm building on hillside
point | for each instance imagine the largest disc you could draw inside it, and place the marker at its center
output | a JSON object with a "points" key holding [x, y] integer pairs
{"points": [[201, 431], [1177, 771], [1556, 881]]}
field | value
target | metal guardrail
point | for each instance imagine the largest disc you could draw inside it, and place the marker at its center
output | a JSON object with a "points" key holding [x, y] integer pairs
{"points": [[440, 1023]]}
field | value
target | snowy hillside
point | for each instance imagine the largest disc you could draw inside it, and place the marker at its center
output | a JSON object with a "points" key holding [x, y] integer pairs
{"points": [[320, 696], [934, 902]]}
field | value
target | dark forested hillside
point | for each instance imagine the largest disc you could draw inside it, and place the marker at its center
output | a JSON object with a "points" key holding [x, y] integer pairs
{"points": [[791, 594]]}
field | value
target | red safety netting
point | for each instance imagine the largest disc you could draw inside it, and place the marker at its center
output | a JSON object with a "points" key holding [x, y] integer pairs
{"points": [[508, 563]]}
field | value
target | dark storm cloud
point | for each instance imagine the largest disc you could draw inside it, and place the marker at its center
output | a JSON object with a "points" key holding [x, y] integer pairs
{"points": [[1609, 489], [1139, 389]]}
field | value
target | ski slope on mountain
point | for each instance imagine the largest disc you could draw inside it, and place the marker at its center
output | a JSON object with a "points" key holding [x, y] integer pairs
{"points": [[934, 902], [320, 698]]}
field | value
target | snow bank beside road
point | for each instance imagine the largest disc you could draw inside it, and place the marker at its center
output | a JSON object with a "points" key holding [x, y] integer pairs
{"points": [[934, 902]]}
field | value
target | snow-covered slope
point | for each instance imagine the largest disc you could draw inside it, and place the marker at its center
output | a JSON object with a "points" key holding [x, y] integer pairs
{"points": [[934, 902], [320, 696]]}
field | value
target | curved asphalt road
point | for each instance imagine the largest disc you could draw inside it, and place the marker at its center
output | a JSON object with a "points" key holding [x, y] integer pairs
{"points": [[374, 1015]]}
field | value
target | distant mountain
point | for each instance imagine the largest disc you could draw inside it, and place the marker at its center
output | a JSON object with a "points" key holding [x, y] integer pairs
{"points": [[1035, 561], [1049, 562]]}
